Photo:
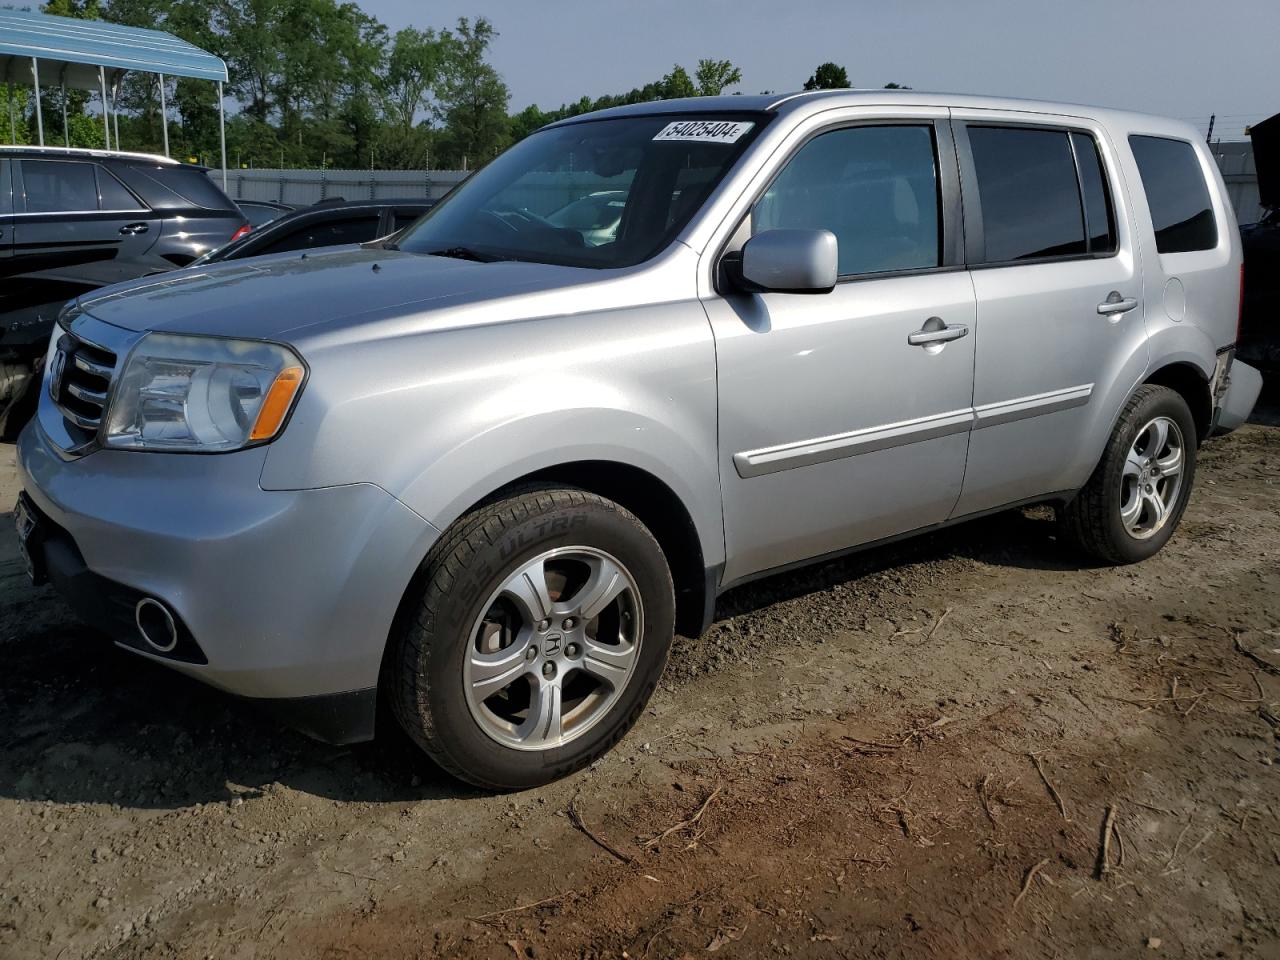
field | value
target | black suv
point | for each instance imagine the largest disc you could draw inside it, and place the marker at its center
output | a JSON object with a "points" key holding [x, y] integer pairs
{"points": [[75, 220]]}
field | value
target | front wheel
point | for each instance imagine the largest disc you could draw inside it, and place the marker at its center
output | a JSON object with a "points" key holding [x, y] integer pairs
{"points": [[540, 627], [1136, 496]]}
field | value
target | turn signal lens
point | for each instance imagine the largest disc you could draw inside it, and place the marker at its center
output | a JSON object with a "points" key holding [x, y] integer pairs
{"points": [[276, 406]]}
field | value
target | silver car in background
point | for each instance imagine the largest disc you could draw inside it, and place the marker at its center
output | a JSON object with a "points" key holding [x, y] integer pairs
{"points": [[485, 472]]}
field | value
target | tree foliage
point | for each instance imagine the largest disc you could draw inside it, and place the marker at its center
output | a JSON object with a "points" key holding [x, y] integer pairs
{"points": [[828, 76], [712, 76], [321, 82]]}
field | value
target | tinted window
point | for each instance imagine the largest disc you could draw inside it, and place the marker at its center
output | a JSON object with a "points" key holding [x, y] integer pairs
{"points": [[1029, 194], [1099, 220], [6, 188], [54, 186], [875, 188], [172, 186], [112, 195], [1176, 193], [403, 220], [360, 230]]}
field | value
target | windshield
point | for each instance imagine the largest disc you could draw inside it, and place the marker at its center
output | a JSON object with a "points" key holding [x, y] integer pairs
{"points": [[602, 193]]}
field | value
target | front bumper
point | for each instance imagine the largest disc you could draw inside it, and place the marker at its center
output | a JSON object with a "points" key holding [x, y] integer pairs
{"points": [[285, 594]]}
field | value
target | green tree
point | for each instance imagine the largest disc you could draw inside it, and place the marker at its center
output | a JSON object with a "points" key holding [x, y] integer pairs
{"points": [[828, 76], [471, 96], [677, 84], [896, 86], [712, 76], [413, 69]]}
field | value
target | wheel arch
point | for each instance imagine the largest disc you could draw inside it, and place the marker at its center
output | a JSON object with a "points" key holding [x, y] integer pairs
{"points": [[1188, 381], [660, 509], [654, 503]]}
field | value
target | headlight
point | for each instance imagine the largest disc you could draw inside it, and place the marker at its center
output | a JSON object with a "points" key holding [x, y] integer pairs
{"points": [[202, 394]]}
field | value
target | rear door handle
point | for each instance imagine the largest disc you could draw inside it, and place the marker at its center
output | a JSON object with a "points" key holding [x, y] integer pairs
{"points": [[131, 228], [1116, 304], [935, 331]]}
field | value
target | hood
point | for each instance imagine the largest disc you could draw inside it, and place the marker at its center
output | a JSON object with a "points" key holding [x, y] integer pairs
{"points": [[1266, 159], [270, 297]]}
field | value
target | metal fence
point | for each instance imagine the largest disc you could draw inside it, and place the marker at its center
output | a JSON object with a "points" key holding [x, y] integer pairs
{"points": [[1235, 160], [302, 187]]}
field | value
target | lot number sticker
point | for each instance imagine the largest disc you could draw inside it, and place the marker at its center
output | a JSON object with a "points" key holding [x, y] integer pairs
{"points": [[706, 131]]}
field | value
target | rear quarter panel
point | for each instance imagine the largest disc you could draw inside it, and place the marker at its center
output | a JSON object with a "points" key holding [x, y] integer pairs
{"points": [[1192, 298]]}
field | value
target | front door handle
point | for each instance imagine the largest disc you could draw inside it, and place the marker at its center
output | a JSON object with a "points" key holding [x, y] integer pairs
{"points": [[132, 228], [1116, 304], [935, 331]]}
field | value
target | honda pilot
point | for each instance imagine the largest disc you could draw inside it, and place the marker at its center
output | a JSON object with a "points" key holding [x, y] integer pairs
{"points": [[481, 472]]}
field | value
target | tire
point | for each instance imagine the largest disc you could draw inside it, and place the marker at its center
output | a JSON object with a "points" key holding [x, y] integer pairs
{"points": [[1097, 519], [469, 624]]}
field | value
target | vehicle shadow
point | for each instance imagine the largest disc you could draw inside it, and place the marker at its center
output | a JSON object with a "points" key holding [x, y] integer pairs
{"points": [[84, 722], [1027, 538]]}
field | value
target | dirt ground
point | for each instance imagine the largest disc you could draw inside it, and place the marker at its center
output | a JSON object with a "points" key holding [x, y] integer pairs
{"points": [[968, 745]]}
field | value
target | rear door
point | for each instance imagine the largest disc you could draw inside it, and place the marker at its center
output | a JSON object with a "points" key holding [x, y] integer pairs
{"points": [[78, 228], [1049, 243]]}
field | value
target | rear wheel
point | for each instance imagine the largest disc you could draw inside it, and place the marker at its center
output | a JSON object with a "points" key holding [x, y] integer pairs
{"points": [[540, 628], [1136, 496]]}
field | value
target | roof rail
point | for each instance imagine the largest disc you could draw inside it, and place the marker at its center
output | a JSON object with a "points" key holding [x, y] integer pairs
{"points": [[88, 152]]}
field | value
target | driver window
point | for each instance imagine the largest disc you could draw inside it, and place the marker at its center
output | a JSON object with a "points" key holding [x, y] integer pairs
{"points": [[875, 188]]}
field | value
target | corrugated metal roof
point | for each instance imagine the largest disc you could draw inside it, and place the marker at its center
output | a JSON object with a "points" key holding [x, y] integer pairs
{"points": [[70, 51]]}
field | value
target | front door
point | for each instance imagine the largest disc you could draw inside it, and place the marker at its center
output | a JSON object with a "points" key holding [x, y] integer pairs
{"points": [[1059, 303], [839, 423]]}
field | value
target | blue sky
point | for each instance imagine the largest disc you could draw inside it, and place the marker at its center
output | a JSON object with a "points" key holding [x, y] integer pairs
{"points": [[1182, 58]]}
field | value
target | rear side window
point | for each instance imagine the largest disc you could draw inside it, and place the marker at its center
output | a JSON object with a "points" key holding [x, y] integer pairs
{"points": [[1177, 194], [59, 186], [112, 195], [6, 188], [1029, 194], [360, 230], [875, 188], [403, 220]]}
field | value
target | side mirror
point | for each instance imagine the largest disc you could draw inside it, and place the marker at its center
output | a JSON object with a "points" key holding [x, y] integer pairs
{"points": [[790, 261]]}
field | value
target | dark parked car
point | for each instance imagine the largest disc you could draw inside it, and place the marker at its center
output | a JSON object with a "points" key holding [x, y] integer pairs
{"points": [[75, 220], [261, 212], [327, 224], [1260, 318]]}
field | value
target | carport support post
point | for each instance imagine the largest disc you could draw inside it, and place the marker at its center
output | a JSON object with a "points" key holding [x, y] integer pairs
{"points": [[222, 136], [164, 116], [115, 111], [62, 85], [35, 83], [106, 120]]}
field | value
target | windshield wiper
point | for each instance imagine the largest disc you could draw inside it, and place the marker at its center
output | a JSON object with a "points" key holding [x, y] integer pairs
{"points": [[465, 253]]}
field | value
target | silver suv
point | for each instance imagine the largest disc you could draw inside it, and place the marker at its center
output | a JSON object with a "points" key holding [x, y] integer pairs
{"points": [[483, 470]]}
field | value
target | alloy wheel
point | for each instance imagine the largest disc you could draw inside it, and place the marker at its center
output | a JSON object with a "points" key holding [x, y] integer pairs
{"points": [[1152, 478], [553, 650]]}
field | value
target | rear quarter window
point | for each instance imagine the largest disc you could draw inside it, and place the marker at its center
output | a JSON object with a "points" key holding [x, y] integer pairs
{"points": [[166, 186], [1173, 180]]}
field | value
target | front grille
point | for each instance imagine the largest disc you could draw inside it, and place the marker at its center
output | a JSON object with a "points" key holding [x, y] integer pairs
{"points": [[80, 380]]}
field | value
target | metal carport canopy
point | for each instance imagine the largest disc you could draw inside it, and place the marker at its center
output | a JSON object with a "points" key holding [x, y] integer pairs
{"points": [[38, 48]]}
